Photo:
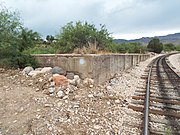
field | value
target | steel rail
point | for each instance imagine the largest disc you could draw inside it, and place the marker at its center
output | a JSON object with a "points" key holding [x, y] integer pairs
{"points": [[146, 111]]}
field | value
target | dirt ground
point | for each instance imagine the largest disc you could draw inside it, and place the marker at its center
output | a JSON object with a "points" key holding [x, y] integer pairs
{"points": [[26, 108]]}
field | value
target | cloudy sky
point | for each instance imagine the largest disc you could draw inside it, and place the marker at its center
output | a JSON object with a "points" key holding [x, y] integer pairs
{"points": [[128, 19]]}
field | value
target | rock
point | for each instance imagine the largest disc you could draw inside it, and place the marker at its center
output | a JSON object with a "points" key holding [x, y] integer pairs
{"points": [[51, 90], [73, 82], [38, 69], [72, 88], [88, 82], [108, 88], [60, 94], [60, 80], [52, 84], [77, 80], [34, 73], [76, 105], [70, 76], [27, 70], [100, 94], [76, 77], [58, 70], [48, 105], [90, 95], [46, 69], [117, 101], [108, 102]]}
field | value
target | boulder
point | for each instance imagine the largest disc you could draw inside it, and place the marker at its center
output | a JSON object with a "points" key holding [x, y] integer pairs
{"points": [[70, 76], [34, 73], [58, 70], [46, 69], [27, 70], [60, 80]]}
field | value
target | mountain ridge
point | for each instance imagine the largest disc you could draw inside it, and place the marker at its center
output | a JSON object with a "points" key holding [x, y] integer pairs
{"points": [[170, 38]]}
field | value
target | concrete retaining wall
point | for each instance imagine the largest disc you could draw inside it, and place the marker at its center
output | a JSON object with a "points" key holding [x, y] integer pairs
{"points": [[97, 66]]}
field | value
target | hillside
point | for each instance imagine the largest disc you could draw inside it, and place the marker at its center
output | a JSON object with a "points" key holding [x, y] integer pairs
{"points": [[171, 38]]}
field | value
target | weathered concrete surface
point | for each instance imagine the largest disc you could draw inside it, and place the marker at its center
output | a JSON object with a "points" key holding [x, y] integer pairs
{"points": [[99, 67]]}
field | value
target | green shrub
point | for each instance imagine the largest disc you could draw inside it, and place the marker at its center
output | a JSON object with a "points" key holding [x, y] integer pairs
{"points": [[81, 35], [155, 45]]}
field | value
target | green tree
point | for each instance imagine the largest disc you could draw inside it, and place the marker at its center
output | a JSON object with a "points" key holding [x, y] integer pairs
{"points": [[169, 47], [50, 39], [13, 40], [155, 45], [27, 39], [82, 35]]}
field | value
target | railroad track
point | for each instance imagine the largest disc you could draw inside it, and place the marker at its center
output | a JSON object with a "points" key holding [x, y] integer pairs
{"points": [[160, 101]]}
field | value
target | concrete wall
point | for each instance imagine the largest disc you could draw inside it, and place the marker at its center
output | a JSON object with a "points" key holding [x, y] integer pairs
{"points": [[97, 66]]}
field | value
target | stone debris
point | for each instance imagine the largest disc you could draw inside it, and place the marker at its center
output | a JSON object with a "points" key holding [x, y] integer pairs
{"points": [[60, 94], [60, 80], [27, 70], [70, 76], [66, 104], [58, 70]]}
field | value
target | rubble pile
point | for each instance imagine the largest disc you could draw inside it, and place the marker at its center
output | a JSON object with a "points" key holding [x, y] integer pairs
{"points": [[63, 103]]}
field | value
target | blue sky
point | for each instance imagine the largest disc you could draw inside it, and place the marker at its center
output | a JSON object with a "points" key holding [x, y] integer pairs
{"points": [[125, 19]]}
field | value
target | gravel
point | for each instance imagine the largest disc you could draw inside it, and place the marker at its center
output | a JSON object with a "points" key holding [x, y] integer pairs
{"points": [[97, 110]]}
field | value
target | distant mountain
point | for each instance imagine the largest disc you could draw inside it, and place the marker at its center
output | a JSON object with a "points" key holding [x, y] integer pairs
{"points": [[171, 38]]}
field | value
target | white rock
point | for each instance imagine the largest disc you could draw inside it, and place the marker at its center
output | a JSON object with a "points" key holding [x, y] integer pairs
{"points": [[108, 102], [60, 94], [46, 69], [108, 87], [27, 70], [51, 89], [90, 95], [117, 101], [100, 94], [76, 77], [34, 73]]}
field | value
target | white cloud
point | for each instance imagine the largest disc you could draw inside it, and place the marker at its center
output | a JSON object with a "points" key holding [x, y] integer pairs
{"points": [[122, 17]]}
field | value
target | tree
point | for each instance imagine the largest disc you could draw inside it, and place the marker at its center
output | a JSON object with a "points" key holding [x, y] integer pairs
{"points": [[27, 38], [82, 35], [13, 40], [169, 47], [50, 39], [155, 45]]}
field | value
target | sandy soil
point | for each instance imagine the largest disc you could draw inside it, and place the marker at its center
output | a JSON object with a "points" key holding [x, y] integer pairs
{"points": [[26, 108], [175, 61]]}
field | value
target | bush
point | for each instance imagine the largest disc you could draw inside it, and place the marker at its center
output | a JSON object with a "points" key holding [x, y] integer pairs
{"points": [[155, 45], [82, 35], [41, 49], [169, 47], [11, 57], [177, 48]]}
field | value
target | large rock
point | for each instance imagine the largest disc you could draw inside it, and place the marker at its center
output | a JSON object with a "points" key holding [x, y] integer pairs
{"points": [[34, 73], [46, 69], [58, 70], [60, 80], [27, 70], [70, 76]]}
